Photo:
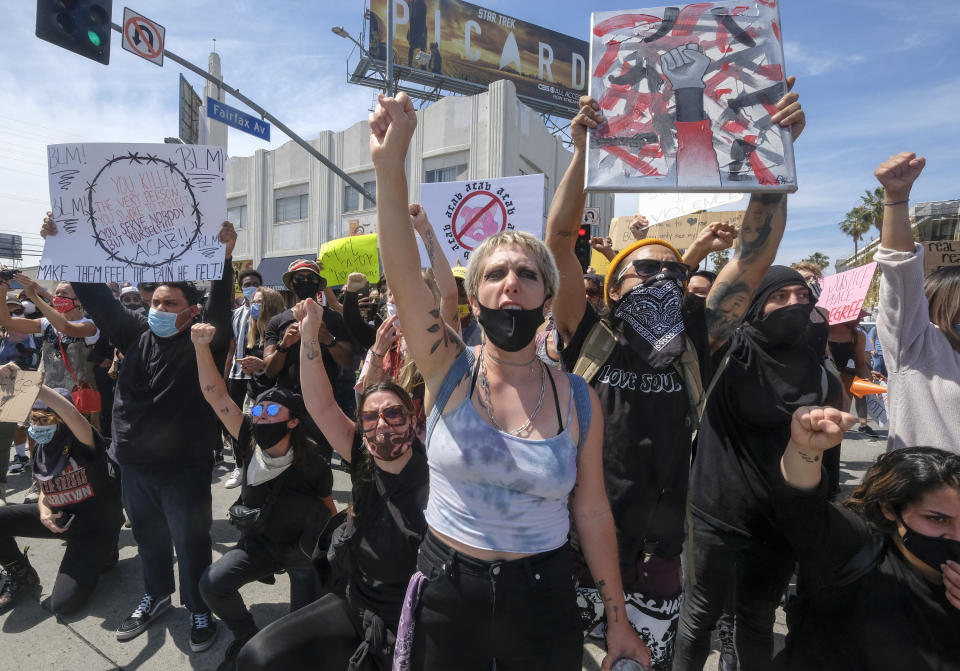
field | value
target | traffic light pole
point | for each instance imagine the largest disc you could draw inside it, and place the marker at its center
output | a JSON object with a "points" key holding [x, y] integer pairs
{"points": [[269, 117]]}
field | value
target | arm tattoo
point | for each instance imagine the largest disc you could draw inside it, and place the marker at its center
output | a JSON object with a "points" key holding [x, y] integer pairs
{"points": [[446, 335], [563, 234], [726, 305], [808, 458], [209, 387], [749, 249], [430, 242], [601, 588], [311, 350], [225, 410]]}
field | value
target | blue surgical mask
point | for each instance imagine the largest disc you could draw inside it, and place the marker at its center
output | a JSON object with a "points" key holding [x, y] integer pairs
{"points": [[248, 292], [255, 310], [956, 327], [42, 434], [163, 324]]}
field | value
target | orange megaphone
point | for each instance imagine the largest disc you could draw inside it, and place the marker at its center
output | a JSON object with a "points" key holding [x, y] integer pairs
{"points": [[861, 388]]}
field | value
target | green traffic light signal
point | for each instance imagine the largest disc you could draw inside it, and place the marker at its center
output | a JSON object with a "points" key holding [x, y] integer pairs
{"points": [[94, 38], [80, 26]]}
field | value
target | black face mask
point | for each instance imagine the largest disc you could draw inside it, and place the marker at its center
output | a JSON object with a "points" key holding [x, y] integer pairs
{"points": [[268, 435], [510, 330], [306, 287], [931, 550], [389, 446], [793, 325]]}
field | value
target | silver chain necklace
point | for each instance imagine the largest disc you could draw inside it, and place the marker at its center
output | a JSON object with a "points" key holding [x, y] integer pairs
{"points": [[487, 403]]}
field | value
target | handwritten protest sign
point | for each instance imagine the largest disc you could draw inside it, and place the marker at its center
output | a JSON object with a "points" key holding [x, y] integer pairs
{"points": [[17, 395], [679, 231], [353, 254], [135, 213], [599, 262], [940, 254], [657, 207], [464, 214], [842, 294]]}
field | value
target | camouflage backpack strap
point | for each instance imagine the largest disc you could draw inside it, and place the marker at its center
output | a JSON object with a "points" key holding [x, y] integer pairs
{"points": [[688, 368], [596, 349]]}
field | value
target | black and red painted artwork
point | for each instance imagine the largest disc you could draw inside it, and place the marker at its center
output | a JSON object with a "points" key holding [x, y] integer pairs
{"points": [[687, 92]]}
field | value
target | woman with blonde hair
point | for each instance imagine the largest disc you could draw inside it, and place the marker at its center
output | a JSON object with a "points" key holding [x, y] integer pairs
{"points": [[918, 323]]}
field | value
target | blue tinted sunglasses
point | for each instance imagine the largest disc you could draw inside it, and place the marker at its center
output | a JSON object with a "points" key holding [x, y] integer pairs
{"points": [[271, 409]]}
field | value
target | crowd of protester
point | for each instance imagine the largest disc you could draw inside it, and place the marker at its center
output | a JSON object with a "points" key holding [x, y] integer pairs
{"points": [[643, 459]]}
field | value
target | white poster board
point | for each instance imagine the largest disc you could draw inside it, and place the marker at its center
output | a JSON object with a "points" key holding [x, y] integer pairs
{"points": [[658, 207], [464, 214], [135, 213]]}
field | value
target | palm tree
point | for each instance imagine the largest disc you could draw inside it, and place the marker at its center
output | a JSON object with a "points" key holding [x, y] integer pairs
{"points": [[856, 224], [872, 203], [818, 259]]}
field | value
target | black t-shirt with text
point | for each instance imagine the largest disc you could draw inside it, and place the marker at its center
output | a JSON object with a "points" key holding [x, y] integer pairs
{"points": [[647, 436], [84, 487]]}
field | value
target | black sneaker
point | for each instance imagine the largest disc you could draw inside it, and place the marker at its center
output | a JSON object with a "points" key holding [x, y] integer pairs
{"points": [[203, 631], [229, 662], [865, 428], [18, 464], [150, 607]]}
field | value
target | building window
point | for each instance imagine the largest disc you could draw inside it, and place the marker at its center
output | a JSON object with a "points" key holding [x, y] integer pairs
{"points": [[351, 197], [291, 208], [453, 173], [237, 215]]}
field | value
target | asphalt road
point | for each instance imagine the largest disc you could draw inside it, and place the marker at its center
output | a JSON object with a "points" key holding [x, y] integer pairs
{"points": [[33, 639]]}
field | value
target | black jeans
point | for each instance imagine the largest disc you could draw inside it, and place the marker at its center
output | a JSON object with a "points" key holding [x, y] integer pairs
{"points": [[761, 572], [91, 547], [170, 510], [254, 558], [521, 614], [321, 636]]}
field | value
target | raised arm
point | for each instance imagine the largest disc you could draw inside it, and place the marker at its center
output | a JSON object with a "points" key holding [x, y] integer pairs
{"points": [[897, 175], [715, 237], [441, 267], [430, 341], [337, 428], [77, 423], [57, 320], [760, 236], [19, 324], [211, 382], [566, 212], [813, 430], [219, 308]]}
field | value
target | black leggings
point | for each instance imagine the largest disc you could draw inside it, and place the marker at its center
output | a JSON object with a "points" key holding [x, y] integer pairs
{"points": [[522, 613], [319, 637], [90, 549]]}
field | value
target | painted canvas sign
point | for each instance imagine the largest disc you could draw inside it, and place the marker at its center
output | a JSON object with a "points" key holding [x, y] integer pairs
{"points": [[135, 213], [464, 214], [688, 92]]}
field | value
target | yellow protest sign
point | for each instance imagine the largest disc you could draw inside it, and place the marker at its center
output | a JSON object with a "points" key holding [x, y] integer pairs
{"points": [[599, 262], [353, 254]]}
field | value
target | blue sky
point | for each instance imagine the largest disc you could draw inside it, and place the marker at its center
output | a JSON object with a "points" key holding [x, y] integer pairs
{"points": [[875, 77]]}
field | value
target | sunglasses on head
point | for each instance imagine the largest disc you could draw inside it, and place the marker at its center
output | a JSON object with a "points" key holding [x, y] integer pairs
{"points": [[394, 415], [645, 268], [271, 410]]}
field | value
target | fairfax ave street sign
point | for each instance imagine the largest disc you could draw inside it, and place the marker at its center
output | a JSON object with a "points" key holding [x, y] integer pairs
{"points": [[233, 117]]}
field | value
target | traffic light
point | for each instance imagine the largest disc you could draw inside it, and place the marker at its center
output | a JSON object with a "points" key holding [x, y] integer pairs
{"points": [[82, 26], [582, 247]]}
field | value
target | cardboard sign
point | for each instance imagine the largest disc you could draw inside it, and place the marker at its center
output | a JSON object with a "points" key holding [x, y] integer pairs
{"points": [[464, 214], [135, 213], [599, 262], [679, 231], [353, 254], [17, 395], [687, 94], [940, 254], [842, 294]]}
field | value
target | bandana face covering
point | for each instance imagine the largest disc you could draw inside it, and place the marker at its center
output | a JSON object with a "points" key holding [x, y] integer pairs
{"points": [[931, 550], [653, 321], [510, 330], [389, 446], [62, 304]]}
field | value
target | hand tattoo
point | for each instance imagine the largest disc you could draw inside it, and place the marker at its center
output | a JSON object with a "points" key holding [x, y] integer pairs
{"points": [[808, 458]]}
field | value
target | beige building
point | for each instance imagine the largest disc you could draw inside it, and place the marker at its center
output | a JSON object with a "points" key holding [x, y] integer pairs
{"points": [[285, 203]]}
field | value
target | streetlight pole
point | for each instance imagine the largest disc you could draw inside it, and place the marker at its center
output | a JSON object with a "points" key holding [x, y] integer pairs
{"points": [[390, 27]]}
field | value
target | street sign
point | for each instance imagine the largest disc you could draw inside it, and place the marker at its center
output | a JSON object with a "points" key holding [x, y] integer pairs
{"points": [[233, 117], [143, 37]]}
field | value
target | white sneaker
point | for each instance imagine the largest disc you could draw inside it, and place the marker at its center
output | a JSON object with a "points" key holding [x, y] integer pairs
{"points": [[235, 479]]}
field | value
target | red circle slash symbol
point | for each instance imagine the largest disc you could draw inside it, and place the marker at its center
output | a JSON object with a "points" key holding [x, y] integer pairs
{"points": [[143, 32], [478, 216]]}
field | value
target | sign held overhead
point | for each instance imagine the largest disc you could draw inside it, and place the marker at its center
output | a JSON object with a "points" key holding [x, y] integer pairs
{"points": [[234, 118], [143, 37]]}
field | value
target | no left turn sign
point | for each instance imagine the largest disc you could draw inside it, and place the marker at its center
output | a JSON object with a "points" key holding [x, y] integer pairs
{"points": [[143, 37]]}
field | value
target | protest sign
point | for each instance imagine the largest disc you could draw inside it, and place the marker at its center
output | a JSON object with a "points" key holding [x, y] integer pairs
{"points": [[353, 254], [599, 262], [657, 207], [464, 214], [135, 213], [687, 94], [940, 254], [842, 294], [679, 231], [17, 395]]}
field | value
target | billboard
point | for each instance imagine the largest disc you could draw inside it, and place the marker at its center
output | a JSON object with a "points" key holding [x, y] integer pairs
{"points": [[467, 42], [189, 113]]}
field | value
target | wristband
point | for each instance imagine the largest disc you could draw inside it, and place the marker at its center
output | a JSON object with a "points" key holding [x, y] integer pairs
{"points": [[282, 349], [379, 356], [899, 202]]}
